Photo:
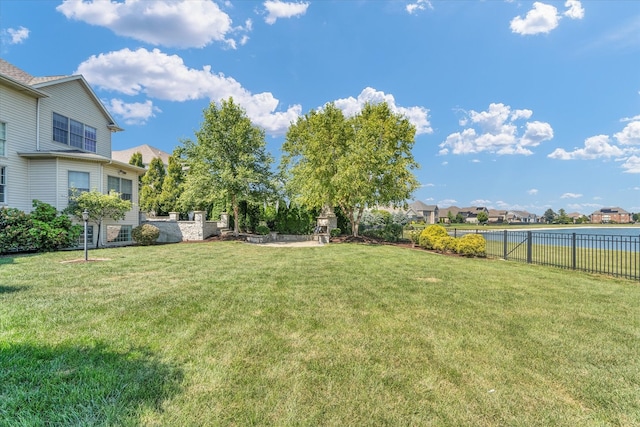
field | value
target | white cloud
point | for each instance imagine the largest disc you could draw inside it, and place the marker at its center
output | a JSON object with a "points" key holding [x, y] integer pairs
{"points": [[571, 196], [541, 19], [418, 116], [447, 202], [480, 202], [277, 9], [574, 9], [497, 133], [595, 147], [165, 77], [418, 6], [631, 119], [632, 165], [161, 76], [175, 23], [630, 135], [533, 191], [134, 113], [17, 35]]}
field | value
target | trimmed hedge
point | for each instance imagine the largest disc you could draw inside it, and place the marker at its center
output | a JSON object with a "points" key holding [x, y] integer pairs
{"points": [[145, 234]]}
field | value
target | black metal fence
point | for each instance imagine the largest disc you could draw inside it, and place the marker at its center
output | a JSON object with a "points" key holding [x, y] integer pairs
{"points": [[616, 255]]}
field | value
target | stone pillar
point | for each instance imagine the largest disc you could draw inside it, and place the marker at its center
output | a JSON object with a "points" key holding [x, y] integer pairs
{"points": [[199, 218], [224, 220], [174, 216]]}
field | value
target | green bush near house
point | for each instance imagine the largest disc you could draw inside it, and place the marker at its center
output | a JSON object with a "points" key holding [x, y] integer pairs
{"points": [[43, 230], [145, 234], [335, 232]]}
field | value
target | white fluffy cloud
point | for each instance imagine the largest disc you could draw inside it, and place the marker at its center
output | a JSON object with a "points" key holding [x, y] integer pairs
{"points": [[595, 147], [277, 9], [175, 23], [17, 35], [418, 5], [571, 196], [541, 19], [166, 77], [630, 135], [134, 113], [632, 165], [155, 74], [418, 116], [544, 18], [533, 191], [574, 9], [496, 131], [602, 147]]}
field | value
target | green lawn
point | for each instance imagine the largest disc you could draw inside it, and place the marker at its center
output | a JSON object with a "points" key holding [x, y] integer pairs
{"points": [[228, 333]]}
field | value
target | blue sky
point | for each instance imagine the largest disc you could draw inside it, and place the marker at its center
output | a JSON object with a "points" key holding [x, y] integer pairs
{"points": [[518, 104]]}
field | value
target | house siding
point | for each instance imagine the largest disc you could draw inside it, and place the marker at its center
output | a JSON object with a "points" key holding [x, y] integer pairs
{"points": [[43, 181], [36, 166], [71, 100], [18, 112]]}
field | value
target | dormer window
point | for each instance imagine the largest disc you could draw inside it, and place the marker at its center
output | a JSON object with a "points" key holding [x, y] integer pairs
{"points": [[74, 133]]}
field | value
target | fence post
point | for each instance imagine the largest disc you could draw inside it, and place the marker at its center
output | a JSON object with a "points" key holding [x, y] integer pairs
{"points": [[505, 244], [573, 251], [529, 248]]}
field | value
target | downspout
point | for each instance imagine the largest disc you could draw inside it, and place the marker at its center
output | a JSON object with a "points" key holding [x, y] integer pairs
{"points": [[37, 124]]}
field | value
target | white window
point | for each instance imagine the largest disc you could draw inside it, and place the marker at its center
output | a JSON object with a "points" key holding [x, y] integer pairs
{"points": [[78, 183], [3, 184], [89, 236], [118, 233], [74, 133], [3, 139], [120, 185]]}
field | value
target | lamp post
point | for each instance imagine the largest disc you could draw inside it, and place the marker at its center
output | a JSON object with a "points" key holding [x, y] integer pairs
{"points": [[85, 218]]}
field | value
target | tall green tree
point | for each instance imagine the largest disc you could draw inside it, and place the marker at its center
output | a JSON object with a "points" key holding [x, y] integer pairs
{"points": [[355, 163], [136, 159], [150, 193], [227, 161], [99, 206], [172, 184], [549, 216]]}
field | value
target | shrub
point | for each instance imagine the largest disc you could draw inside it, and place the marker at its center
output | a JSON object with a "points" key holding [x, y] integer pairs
{"points": [[445, 244], [472, 245], [335, 232], [414, 236], [42, 230], [263, 230], [145, 234], [430, 235]]}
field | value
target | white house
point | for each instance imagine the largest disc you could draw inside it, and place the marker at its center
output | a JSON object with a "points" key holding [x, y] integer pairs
{"points": [[55, 135]]}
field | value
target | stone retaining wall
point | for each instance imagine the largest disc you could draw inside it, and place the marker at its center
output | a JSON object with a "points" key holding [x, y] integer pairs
{"points": [[174, 231]]}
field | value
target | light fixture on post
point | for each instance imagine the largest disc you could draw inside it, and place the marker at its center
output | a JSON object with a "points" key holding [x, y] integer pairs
{"points": [[85, 218]]}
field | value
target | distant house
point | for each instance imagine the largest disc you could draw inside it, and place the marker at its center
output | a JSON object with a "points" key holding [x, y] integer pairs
{"points": [[423, 212], [468, 214], [522, 217], [148, 153], [497, 216], [608, 215], [55, 137]]}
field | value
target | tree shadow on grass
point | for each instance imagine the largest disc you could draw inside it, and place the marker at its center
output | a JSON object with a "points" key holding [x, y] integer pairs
{"points": [[74, 385], [10, 289]]}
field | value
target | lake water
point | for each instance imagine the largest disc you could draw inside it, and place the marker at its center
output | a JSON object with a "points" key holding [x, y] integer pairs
{"points": [[610, 238]]}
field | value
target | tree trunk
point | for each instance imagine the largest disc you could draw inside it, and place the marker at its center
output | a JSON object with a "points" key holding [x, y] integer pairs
{"points": [[98, 235], [236, 213]]}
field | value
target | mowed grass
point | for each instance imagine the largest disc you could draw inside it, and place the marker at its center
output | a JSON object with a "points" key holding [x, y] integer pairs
{"points": [[228, 333]]}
